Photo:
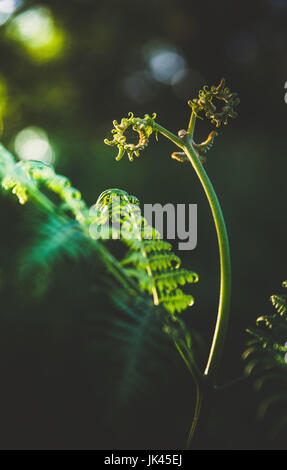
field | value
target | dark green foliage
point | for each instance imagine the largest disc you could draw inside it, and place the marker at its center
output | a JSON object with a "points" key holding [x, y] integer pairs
{"points": [[266, 357], [142, 346]]}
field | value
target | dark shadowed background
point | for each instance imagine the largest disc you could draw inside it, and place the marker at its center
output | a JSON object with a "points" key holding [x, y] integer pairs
{"points": [[67, 70]]}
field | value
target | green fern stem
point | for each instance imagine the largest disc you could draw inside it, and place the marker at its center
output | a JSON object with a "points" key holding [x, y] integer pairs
{"points": [[225, 265], [199, 386], [215, 354]]}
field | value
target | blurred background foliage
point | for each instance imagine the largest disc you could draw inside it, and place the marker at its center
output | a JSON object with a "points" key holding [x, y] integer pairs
{"points": [[67, 70]]}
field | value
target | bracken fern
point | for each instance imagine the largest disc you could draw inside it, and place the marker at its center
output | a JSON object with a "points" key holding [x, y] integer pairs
{"points": [[267, 365]]}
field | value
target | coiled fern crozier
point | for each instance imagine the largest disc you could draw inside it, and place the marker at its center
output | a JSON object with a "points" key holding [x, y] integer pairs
{"points": [[266, 358]]}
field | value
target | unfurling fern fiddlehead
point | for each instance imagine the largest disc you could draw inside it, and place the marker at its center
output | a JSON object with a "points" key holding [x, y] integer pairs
{"points": [[149, 259], [266, 358], [190, 151]]}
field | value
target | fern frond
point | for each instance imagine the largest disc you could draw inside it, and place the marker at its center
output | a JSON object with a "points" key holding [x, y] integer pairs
{"points": [[266, 357], [54, 241], [56, 238], [156, 266], [25, 178]]}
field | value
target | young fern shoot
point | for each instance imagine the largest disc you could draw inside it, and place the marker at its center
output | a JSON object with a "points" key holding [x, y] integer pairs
{"points": [[206, 104]]}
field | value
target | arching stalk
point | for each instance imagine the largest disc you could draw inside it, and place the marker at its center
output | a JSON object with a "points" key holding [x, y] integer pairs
{"points": [[223, 245], [225, 266]]}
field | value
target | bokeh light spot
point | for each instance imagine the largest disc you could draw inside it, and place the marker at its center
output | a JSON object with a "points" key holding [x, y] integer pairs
{"points": [[163, 62], [36, 30], [32, 143]]}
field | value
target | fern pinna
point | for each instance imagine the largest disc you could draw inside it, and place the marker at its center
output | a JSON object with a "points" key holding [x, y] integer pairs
{"points": [[266, 357]]}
